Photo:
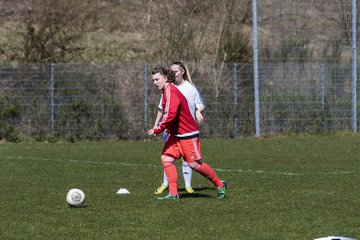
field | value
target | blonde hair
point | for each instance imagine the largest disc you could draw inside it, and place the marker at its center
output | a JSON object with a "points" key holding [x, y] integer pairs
{"points": [[185, 67]]}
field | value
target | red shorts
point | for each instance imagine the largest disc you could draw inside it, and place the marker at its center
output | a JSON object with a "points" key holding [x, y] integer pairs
{"points": [[188, 149]]}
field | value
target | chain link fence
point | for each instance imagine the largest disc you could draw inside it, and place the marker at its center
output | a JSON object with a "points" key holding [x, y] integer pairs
{"points": [[99, 101], [305, 65], [305, 85]]}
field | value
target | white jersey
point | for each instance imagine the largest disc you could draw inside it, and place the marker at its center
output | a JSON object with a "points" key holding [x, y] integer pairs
{"points": [[192, 96]]}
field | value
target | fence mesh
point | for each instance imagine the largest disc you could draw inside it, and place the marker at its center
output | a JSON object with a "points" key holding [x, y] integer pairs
{"points": [[305, 65], [96, 101], [305, 85]]}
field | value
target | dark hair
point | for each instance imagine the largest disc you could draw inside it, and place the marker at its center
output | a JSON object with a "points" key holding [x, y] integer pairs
{"points": [[170, 75]]}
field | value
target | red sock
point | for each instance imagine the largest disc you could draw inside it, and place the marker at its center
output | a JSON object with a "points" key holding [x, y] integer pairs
{"points": [[172, 177], [205, 170]]}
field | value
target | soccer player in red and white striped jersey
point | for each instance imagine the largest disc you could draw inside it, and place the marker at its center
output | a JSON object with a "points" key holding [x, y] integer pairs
{"points": [[184, 139], [196, 105]]}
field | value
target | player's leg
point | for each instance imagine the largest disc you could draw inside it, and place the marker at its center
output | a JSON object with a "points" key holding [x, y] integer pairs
{"points": [[187, 174], [171, 173], [169, 154], [192, 154], [205, 170], [165, 183]]}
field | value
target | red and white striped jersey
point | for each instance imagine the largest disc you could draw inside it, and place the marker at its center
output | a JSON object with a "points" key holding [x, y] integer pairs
{"points": [[192, 96], [177, 117]]}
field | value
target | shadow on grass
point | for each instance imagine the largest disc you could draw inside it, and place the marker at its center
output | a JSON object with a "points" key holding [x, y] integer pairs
{"points": [[197, 193]]}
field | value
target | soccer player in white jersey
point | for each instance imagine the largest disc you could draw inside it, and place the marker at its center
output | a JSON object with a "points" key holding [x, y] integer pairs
{"points": [[196, 105]]}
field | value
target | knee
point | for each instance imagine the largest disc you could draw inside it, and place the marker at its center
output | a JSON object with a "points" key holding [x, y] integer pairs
{"points": [[166, 160], [195, 165]]}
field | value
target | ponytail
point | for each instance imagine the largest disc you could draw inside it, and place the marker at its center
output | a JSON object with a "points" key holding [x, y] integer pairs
{"points": [[185, 67]]}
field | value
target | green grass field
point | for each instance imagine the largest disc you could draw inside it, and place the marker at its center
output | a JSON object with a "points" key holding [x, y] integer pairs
{"points": [[294, 187]]}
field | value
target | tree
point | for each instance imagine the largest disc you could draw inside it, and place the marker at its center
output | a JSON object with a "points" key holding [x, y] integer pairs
{"points": [[197, 31], [53, 29]]}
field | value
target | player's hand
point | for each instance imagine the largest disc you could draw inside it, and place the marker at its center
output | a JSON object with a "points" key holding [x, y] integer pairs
{"points": [[199, 117], [151, 133]]}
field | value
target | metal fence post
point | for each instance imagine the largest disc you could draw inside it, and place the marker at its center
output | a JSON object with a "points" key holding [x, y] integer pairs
{"points": [[235, 97], [145, 97], [256, 70], [52, 96], [354, 77], [322, 94]]}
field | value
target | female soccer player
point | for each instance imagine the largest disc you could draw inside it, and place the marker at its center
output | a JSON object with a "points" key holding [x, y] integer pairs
{"points": [[183, 140], [196, 104]]}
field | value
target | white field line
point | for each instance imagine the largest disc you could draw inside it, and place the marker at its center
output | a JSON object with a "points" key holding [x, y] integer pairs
{"points": [[251, 171], [82, 161]]}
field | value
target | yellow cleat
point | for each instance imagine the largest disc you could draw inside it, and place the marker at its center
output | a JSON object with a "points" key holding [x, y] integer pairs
{"points": [[161, 189], [190, 190]]}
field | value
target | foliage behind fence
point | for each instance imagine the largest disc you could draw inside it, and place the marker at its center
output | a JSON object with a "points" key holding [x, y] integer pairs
{"points": [[305, 83], [305, 57], [102, 101], [96, 101]]}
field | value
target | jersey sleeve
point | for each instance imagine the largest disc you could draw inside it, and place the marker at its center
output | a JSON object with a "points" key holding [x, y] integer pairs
{"points": [[172, 103], [160, 103], [199, 102]]}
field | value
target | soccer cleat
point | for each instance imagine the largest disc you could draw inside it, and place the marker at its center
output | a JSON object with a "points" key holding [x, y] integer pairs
{"points": [[221, 192], [161, 189], [168, 196], [189, 190]]}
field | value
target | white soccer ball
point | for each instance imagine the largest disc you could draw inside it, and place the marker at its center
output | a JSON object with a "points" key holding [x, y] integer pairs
{"points": [[75, 197]]}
